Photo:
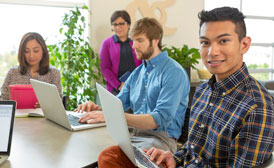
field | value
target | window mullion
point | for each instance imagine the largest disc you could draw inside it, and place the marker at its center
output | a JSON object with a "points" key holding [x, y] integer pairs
{"points": [[260, 17], [263, 44], [43, 3]]}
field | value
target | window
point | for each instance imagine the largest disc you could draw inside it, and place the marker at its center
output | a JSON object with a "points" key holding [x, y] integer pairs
{"points": [[260, 25], [20, 17]]}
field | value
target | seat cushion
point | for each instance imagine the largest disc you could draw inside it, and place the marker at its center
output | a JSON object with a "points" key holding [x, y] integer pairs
{"points": [[269, 84]]}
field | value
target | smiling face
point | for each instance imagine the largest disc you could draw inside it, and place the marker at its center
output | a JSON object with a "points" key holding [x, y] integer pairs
{"points": [[33, 53], [121, 27], [221, 50]]}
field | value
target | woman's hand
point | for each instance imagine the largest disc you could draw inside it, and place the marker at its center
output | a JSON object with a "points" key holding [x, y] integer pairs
{"points": [[121, 86], [37, 105]]}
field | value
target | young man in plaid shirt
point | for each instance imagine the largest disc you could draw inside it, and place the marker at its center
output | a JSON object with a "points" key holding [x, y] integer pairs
{"points": [[232, 115]]}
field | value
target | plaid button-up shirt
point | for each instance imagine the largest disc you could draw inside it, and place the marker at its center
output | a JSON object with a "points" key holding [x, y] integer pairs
{"points": [[231, 124]]}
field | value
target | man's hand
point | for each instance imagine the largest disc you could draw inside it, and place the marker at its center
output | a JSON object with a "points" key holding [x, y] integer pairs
{"points": [[92, 117], [87, 106], [161, 157]]}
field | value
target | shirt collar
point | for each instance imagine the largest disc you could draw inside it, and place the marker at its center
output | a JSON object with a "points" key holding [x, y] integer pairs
{"points": [[117, 40], [158, 60], [231, 81]]}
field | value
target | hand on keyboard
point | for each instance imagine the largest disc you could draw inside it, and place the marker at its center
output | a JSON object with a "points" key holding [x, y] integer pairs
{"points": [[161, 157], [92, 117], [143, 158], [74, 120]]}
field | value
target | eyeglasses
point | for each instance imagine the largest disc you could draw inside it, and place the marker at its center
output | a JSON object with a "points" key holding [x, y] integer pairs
{"points": [[119, 24]]}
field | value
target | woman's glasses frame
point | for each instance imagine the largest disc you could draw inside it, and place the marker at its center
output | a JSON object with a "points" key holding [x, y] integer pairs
{"points": [[119, 24]]}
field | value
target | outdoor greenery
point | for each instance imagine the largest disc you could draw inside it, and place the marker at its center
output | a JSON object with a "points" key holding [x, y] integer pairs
{"points": [[7, 60], [187, 57], [258, 66], [260, 76], [75, 58]]}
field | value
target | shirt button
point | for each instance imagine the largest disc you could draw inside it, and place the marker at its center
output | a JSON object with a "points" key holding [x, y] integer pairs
{"points": [[191, 146], [202, 126], [196, 161], [223, 93], [211, 104], [147, 73], [144, 99]]}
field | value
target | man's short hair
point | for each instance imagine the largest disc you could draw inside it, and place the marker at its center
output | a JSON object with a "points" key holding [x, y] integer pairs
{"points": [[225, 14], [150, 27]]}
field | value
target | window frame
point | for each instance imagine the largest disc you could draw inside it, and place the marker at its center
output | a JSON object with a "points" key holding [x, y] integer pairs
{"points": [[254, 17], [267, 70], [47, 3]]}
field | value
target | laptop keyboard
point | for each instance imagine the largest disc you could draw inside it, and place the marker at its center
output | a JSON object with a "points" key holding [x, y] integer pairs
{"points": [[74, 120], [140, 156]]}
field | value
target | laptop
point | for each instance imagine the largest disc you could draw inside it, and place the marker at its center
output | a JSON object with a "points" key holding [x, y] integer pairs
{"points": [[53, 108], [7, 112], [118, 129]]}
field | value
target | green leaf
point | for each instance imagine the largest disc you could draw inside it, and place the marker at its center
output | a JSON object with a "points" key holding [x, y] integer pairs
{"points": [[76, 60], [185, 56]]}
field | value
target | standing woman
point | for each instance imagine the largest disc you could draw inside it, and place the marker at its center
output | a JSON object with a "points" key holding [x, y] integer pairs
{"points": [[116, 54], [33, 58]]}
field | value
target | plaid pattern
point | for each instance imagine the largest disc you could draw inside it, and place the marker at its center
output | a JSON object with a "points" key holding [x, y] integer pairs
{"points": [[231, 124]]}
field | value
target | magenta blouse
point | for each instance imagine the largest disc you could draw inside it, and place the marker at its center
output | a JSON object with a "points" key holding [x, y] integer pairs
{"points": [[110, 60]]}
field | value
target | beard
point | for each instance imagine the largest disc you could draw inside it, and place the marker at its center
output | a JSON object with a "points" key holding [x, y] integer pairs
{"points": [[146, 54]]}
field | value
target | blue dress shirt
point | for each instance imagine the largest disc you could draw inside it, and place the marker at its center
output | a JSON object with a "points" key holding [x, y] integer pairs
{"points": [[159, 87]]}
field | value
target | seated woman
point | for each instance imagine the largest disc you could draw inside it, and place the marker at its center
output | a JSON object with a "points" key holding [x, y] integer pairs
{"points": [[116, 54], [33, 60]]}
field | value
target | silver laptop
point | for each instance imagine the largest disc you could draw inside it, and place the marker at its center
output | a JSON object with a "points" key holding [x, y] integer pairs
{"points": [[7, 112], [118, 129], [53, 108]]}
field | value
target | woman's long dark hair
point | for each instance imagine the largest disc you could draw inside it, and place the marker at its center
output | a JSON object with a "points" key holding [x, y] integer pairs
{"points": [[44, 63]]}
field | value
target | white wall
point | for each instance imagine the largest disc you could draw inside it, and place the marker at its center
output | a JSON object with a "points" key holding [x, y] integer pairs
{"points": [[181, 14]]}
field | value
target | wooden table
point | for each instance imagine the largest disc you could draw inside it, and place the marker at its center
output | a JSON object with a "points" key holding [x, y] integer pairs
{"points": [[38, 142]]}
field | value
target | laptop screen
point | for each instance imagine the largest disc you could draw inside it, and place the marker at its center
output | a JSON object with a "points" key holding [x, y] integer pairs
{"points": [[7, 110]]}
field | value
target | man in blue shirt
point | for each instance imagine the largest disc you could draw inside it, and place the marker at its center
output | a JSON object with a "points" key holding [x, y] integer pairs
{"points": [[156, 91]]}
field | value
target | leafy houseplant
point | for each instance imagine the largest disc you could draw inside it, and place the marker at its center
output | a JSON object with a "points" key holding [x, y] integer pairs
{"points": [[77, 61], [187, 57]]}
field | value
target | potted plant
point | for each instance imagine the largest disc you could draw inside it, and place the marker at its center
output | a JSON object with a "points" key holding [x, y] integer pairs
{"points": [[185, 56], [77, 61]]}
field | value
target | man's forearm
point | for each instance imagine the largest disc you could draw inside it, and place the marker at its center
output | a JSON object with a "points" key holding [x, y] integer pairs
{"points": [[141, 121]]}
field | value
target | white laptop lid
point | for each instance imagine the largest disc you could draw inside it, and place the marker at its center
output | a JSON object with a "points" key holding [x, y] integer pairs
{"points": [[52, 106], [50, 102], [7, 113], [116, 121]]}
